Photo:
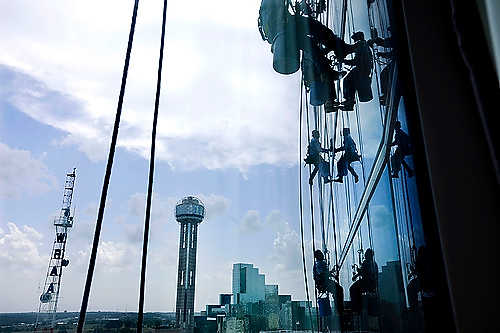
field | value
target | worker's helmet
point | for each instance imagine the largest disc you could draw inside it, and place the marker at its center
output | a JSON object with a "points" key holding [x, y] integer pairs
{"points": [[397, 124], [346, 131], [369, 253], [319, 255], [315, 132], [358, 35]]}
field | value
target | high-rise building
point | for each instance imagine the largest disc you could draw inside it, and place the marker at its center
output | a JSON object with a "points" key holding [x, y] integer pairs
{"points": [[248, 284], [225, 299], [189, 212]]}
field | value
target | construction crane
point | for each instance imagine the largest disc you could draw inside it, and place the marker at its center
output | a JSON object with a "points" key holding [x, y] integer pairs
{"points": [[51, 290]]}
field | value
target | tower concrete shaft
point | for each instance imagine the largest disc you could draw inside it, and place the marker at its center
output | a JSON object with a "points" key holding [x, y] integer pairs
{"points": [[186, 274], [189, 213]]}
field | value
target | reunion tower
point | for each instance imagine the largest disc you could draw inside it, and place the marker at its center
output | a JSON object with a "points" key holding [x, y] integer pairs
{"points": [[189, 212]]}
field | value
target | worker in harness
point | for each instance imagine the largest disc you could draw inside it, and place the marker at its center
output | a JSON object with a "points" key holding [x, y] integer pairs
{"points": [[402, 141], [327, 281], [350, 155], [314, 151], [359, 79], [367, 282], [386, 73]]}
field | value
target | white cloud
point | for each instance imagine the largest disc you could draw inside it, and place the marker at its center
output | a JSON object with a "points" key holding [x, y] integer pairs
{"points": [[222, 104], [19, 247], [22, 267], [381, 217], [215, 205], [21, 172], [117, 255], [286, 245], [250, 223]]}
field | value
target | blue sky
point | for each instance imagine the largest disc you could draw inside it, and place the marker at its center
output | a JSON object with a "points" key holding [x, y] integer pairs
{"points": [[228, 133]]}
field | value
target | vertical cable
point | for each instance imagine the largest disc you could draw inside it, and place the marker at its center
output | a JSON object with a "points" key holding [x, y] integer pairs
{"points": [[140, 315], [107, 176], [301, 206], [312, 205]]}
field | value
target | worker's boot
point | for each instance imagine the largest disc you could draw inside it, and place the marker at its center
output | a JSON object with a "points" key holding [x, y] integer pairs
{"points": [[382, 100], [347, 106], [331, 105]]}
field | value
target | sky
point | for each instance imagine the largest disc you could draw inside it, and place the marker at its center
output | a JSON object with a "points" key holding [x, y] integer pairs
{"points": [[227, 133]]}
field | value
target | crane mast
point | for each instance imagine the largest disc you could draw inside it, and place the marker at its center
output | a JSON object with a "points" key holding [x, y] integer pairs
{"points": [[52, 286]]}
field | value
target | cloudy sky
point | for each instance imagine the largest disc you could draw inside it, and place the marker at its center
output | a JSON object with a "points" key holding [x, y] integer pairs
{"points": [[228, 133]]}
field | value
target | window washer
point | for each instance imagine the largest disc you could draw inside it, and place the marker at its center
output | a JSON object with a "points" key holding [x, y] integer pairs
{"points": [[350, 155], [327, 281], [359, 78], [314, 157], [368, 274], [402, 141]]}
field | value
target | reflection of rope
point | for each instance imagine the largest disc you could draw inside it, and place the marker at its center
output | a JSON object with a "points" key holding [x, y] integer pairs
{"points": [[410, 215], [375, 68], [301, 205], [361, 145]]}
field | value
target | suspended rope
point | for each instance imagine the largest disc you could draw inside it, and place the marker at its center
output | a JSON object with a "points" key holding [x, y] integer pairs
{"points": [[343, 21], [347, 196], [140, 315], [361, 147], [330, 205], [310, 185], [107, 176], [301, 205], [320, 189], [312, 205]]}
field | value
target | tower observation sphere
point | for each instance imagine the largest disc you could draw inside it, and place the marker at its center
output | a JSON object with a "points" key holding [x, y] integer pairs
{"points": [[189, 212], [189, 209]]}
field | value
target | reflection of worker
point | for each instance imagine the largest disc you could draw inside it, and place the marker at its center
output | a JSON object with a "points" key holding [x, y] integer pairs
{"points": [[359, 78], [402, 141], [350, 155], [368, 274], [324, 281], [385, 74], [305, 33], [314, 154], [274, 18]]}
